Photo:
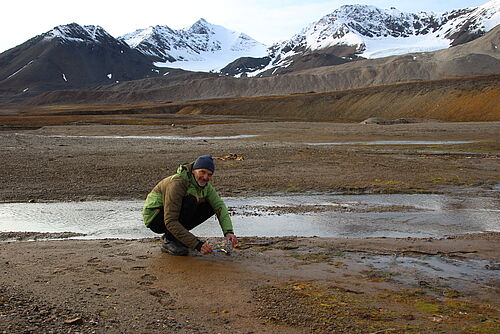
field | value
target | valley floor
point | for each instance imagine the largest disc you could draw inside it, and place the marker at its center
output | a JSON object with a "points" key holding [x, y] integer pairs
{"points": [[268, 285]]}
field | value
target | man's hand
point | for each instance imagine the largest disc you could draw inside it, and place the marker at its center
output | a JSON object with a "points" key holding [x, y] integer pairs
{"points": [[206, 249], [231, 238]]}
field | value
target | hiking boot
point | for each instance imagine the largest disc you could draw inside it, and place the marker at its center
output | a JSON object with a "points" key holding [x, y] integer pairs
{"points": [[173, 247]]}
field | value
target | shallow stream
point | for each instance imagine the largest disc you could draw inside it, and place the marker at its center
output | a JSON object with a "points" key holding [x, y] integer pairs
{"points": [[397, 142], [344, 216]]}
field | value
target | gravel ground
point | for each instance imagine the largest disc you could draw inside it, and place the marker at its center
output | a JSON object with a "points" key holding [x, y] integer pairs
{"points": [[268, 285]]}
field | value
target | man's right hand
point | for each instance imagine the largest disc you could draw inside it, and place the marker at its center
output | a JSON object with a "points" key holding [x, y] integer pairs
{"points": [[206, 249]]}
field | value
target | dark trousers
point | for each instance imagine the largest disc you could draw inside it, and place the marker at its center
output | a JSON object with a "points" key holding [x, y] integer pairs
{"points": [[192, 214]]}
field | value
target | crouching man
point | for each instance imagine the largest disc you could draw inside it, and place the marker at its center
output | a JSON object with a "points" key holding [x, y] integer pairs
{"points": [[183, 201]]}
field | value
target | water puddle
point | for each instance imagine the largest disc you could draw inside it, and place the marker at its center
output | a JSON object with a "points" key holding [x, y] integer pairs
{"points": [[397, 142], [344, 216], [147, 137], [434, 271], [491, 155]]}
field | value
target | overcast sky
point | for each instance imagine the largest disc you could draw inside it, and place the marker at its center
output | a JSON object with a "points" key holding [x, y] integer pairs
{"points": [[267, 21]]}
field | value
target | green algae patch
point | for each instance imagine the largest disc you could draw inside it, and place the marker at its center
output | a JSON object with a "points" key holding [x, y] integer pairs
{"points": [[328, 255], [321, 309], [376, 275], [426, 307], [452, 293], [325, 308]]}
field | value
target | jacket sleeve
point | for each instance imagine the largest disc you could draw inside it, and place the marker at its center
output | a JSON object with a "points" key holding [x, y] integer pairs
{"points": [[221, 211], [152, 206], [172, 203]]}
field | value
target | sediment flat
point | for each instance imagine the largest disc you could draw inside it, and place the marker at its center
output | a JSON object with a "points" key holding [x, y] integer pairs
{"points": [[78, 162], [267, 285]]}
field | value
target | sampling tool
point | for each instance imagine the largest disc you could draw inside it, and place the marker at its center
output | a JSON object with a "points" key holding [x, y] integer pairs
{"points": [[222, 250], [225, 251]]}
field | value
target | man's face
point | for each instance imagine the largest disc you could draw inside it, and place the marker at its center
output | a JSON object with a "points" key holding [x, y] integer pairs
{"points": [[202, 176]]}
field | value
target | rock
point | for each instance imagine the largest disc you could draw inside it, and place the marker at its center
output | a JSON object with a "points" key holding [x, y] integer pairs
{"points": [[74, 321], [374, 120]]}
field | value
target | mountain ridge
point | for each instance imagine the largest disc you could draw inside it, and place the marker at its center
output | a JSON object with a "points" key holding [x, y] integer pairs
{"points": [[74, 57], [371, 32]]}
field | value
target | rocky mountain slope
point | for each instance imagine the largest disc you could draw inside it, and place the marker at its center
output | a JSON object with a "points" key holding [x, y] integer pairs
{"points": [[70, 57], [354, 31]]}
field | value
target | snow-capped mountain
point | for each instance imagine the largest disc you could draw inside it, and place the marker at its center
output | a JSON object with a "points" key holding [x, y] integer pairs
{"points": [[354, 31], [71, 57], [76, 33], [463, 25], [200, 47]]}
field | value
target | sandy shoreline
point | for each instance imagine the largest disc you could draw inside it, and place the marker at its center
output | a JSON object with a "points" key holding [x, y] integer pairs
{"points": [[269, 285]]}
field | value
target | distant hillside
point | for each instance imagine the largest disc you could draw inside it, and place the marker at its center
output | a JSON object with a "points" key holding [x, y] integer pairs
{"points": [[479, 57], [460, 99], [464, 99]]}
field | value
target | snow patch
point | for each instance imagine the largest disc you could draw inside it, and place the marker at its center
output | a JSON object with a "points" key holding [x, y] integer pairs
{"points": [[19, 70], [109, 76], [491, 10], [392, 46]]}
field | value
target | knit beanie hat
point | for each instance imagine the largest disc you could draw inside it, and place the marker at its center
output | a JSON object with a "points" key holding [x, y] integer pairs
{"points": [[204, 162]]}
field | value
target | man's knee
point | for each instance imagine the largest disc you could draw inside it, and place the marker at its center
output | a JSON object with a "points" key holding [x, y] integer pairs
{"points": [[194, 213]]}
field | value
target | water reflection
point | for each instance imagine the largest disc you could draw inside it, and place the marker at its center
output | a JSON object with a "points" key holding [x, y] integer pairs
{"points": [[147, 137], [349, 216], [396, 142], [426, 270]]}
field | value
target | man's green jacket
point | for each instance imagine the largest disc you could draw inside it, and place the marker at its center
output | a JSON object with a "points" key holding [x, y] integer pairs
{"points": [[168, 194]]}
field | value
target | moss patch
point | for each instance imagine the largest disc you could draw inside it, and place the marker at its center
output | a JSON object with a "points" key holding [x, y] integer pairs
{"points": [[323, 308]]}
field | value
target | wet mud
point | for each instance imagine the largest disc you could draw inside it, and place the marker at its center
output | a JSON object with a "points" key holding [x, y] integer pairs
{"points": [[281, 285]]}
